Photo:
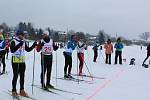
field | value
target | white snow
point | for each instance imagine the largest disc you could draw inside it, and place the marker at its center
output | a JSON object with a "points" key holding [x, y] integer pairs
{"points": [[121, 82]]}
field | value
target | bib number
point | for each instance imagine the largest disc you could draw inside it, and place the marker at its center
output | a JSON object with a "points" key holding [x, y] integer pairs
{"points": [[47, 49]]}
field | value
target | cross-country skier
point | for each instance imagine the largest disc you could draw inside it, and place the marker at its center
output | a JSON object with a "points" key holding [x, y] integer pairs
{"points": [[2, 54], [18, 47], [46, 46], [118, 52], [81, 46], [71, 45], [95, 49], [108, 51]]}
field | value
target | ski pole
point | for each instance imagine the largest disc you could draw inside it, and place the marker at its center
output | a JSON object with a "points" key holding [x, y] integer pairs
{"points": [[0, 64], [77, 68], [33, 71], [43, 70], [88, 70], [56, 68], [88, 58]]}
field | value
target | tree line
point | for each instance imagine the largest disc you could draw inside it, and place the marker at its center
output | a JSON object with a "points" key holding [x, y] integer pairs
{"points": [[33, 33]]}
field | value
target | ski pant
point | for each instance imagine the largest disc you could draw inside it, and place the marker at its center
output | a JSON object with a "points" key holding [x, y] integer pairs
{"points": [[81, 59], [108, 59], [18, 69], [95, 55], [2, 59], [7, 51], [118, 54], [146, 58], [68, 62], [46, 68]]}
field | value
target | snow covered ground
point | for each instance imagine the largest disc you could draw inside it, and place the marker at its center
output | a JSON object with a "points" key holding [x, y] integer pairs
{"points": [[118, 82]]}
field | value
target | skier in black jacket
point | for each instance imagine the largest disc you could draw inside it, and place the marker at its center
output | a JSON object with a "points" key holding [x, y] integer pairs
{"points": [[95, 49], [18, 47]]}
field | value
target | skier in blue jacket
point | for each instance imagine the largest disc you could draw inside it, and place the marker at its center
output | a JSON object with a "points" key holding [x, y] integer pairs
{"points": [[71, 45]]}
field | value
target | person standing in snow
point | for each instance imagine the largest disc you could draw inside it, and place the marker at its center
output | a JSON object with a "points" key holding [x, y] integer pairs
{"points": [[95, 49], [18, 47], [148, 54], [81, 46], [108, 51], [2, 54], [118, 51], [141, 46], [46, 46], [3, 43], [71, 45]]}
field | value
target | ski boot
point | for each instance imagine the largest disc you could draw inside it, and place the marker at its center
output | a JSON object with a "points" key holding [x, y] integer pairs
{"points": [[23, 93], [66, 76], [69, 76], [49, 86]]}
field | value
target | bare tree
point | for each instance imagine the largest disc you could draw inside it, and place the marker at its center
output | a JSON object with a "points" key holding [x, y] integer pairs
{"points": [[145, 35]]}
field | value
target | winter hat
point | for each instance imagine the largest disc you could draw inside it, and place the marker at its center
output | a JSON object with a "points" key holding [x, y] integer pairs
{"points": [[72, 37], [96, 42], [46, 33], [1, 30], [109, 40], [19, 32], [119, 39]]}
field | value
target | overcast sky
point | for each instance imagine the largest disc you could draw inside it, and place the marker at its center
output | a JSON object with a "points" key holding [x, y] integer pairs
{"points": [[126, 17]]}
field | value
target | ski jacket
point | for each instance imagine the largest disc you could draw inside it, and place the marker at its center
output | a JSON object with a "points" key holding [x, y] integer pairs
{"points": [[18, 48], [95, 47], [108, 48], [46, 46], [70, 47], [118, 46], [2, 45]]}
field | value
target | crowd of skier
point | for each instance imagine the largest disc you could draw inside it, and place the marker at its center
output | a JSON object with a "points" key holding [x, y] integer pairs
{"points": [[17, 46]]}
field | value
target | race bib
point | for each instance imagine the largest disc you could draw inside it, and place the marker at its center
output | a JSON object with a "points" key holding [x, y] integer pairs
{"points": [[48, 49]]}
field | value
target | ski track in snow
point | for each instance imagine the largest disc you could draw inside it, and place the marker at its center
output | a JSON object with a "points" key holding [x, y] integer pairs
{"points": [[105, 84], [121, 82]]}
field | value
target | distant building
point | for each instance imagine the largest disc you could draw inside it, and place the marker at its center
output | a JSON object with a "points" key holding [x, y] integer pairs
{"points": [[92, 39], [62, 36]]}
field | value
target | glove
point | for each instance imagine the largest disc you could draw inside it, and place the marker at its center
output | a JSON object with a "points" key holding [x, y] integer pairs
{"points": [[85, 48], [82, 45], [34, 44], [42, 44], [21, 43]]}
